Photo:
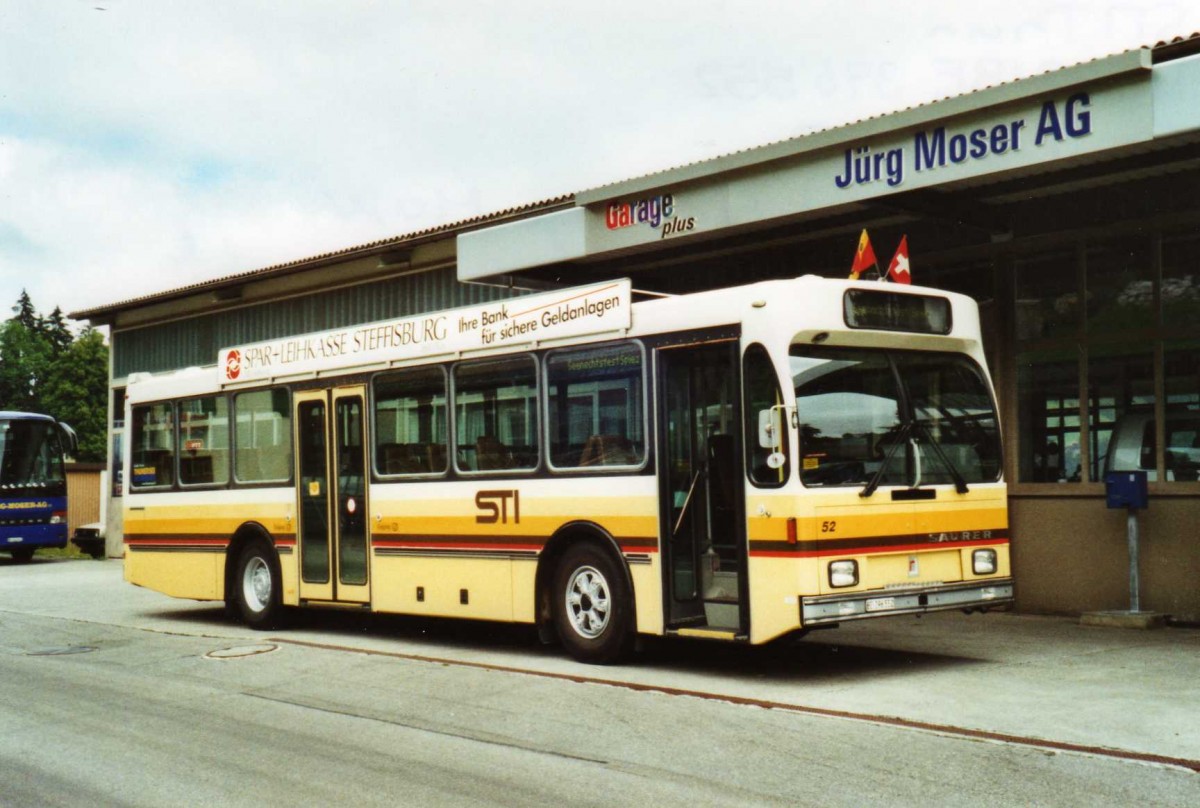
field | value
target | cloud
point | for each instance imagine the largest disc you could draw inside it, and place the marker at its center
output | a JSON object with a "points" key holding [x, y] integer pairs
{"points": [[159, 144]]}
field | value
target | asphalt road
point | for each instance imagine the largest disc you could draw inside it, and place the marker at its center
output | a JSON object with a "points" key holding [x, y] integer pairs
{"points": [[113, 695]]}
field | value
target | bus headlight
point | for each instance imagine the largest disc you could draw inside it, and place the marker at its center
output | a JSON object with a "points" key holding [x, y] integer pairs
{"points": [[983, 562], [843, 573]]}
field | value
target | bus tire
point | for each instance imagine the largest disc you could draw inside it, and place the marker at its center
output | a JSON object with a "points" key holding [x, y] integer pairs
{"points": [[593, 609], [23, 555], [258, 587]]}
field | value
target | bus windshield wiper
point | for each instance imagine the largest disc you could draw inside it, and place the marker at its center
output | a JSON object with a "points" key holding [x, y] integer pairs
{"points": [[877, 477], [960, 484]]}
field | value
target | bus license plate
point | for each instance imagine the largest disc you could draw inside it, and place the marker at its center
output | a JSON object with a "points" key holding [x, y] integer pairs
{"points": [[880, 604]]}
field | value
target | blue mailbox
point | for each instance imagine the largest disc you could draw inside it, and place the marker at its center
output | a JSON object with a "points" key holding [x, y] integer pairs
{"points": [[1126, 489]]}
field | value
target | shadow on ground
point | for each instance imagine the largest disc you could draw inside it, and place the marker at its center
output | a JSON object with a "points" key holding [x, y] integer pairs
{"points": [[817, 658]]}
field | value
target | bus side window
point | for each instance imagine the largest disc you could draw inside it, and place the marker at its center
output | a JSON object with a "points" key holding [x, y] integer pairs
{"points": [[410, 422], [153, 446], [263, 436], [496, 414], [594, 408], [204, 441]]}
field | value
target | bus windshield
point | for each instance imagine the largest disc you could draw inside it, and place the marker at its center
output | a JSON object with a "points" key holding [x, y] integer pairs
{"points": [[31, 458], [872, 417]]}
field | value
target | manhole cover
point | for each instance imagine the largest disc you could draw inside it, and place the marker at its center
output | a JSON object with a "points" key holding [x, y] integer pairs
{"points": [[67, 649], [239, 651]]}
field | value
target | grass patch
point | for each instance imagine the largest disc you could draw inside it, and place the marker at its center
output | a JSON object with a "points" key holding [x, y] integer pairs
{"points": [[70, 552]]}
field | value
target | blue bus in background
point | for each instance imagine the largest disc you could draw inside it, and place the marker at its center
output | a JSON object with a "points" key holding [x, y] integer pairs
{"points": [[33, 483]]}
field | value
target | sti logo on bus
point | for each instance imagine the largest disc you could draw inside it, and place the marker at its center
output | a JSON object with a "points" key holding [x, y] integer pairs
{"points": [[494, 505]]}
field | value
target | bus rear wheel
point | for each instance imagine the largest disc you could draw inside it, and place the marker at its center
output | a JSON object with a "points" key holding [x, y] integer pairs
{"points": [[257, 587], [593, 608]]}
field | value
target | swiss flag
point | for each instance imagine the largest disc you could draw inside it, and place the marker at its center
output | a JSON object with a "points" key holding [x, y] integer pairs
{"points": [[898, 269]]}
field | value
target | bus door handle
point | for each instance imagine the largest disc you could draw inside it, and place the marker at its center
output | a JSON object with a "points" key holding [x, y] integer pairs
{"points": [[916, 461]]}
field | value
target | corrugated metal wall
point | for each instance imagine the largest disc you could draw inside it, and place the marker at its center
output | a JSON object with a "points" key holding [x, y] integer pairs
{"points": [[195, 341], [83, 494]]}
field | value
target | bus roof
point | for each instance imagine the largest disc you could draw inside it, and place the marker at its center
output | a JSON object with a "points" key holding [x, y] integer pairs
{"points": [[775, 312], [13, 415]]}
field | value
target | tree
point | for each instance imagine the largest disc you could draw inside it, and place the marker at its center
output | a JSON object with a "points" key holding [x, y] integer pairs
{"points": [[24, 359], [25, 314], [55, 329], [44, 368], [76, 391]]}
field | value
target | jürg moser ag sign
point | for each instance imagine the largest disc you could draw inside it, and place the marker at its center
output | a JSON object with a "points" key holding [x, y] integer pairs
{"points": [[1056, 121], [571, 312]]}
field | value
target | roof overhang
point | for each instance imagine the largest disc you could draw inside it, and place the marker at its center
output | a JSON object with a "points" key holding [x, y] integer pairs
{"points": [[1122, 64], [1087, 114], [1138, 101], [416, 251]]}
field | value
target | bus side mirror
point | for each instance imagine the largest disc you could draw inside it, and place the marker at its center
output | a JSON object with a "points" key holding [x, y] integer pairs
{"points": [[70, 441], [770, 428]]}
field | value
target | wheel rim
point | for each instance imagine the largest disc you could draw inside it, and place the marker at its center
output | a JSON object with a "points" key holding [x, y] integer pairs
{"points": [[256, 584], [588, 602]]}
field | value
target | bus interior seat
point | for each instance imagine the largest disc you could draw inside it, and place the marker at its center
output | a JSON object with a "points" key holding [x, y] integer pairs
{"points": [[607, 450], [491, 454], [398, 459], [436, 454], [196, 470]]}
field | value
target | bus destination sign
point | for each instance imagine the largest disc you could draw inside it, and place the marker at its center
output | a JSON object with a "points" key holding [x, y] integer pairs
{"points": [[896, 311], [515, 321]]}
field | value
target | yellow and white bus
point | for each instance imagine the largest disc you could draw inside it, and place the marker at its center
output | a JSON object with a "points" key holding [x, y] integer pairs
{"points": [[737, 465]]}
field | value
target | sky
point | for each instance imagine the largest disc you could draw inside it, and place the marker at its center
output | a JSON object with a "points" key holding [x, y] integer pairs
{"points": [[151, 144]]}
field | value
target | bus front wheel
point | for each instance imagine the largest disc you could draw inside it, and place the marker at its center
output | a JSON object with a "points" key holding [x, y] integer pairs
{"points": [[257, 586], [593, 609], [22, 556]]}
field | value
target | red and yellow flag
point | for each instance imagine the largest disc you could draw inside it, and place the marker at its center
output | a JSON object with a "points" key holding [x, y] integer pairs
{"points": [[864, 257]]}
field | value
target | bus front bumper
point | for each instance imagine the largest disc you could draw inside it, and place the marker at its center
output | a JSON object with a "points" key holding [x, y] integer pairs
{"points": [[39, 537], [971, 595]]}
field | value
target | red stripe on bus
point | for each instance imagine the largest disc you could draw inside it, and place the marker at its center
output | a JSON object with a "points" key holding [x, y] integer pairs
{"points": [[202, 540], [470, 542], [868, 549], [417, 545]]}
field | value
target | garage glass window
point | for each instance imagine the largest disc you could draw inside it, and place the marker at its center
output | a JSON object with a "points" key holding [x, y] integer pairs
{"points": [[1106, 360]]}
